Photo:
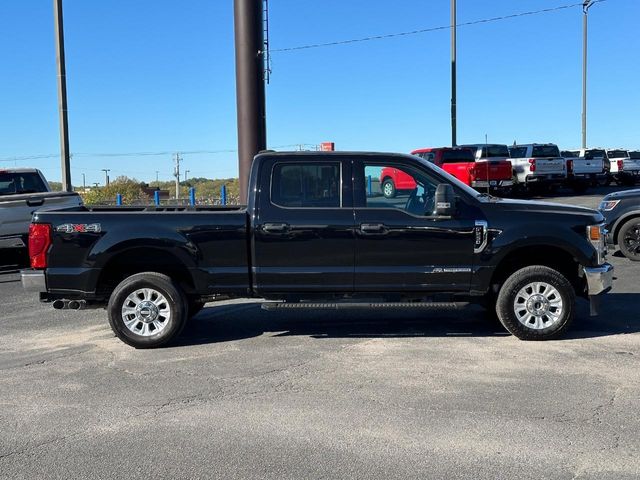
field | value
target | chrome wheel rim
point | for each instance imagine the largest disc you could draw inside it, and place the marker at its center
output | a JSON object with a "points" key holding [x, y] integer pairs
{"points": [[388, 189], [538, 305], [146, 312]]}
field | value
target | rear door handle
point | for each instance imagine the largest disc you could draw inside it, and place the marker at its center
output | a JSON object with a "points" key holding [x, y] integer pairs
{"points": [[275, 227], [35, 202], [372, 228]]}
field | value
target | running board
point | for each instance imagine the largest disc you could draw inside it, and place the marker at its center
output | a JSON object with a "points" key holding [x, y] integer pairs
{"points": [[347, 305]]}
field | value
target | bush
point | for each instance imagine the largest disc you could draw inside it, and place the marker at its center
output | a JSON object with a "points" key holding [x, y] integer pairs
{"points": [[131, 190]]}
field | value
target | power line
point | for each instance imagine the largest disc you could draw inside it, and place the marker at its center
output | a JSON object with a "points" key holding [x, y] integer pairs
{"points": [[432, 29]]}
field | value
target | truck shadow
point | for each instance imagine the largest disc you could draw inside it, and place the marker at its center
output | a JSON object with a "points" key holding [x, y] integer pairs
{"points": [[225, 323]]}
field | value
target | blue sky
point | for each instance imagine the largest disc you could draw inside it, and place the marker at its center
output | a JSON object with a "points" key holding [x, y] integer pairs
{"points": [[158, 75]]}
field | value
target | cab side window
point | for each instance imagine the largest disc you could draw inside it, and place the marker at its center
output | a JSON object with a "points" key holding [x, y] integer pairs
{"points": [[306, 185]]}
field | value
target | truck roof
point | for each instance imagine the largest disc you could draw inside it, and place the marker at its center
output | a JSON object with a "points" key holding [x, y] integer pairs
{"points": [[328, 155], [18, 170]]}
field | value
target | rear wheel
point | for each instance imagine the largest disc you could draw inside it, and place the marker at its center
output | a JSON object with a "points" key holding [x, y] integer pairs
{"points": [[388, 188], [629, 239], [536, 303], [147, 310]]}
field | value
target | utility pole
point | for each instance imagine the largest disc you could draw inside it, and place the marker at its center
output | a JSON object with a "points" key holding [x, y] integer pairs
{"points": [[106, 176], [454, 106], [176, 173], [250, 93], [62, 96], [157, 181], [585, 13]]}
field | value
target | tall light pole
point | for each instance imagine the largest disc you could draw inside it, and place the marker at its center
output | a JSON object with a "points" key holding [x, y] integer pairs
{"points": [[186, 175], [454, 106], [62, 96], [106, 176], [585, 13]]}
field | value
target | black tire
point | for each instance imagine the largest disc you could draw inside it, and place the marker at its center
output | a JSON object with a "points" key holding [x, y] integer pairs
{"points": [[629, 239], [174, 303], [388, 188], [510, 294]]}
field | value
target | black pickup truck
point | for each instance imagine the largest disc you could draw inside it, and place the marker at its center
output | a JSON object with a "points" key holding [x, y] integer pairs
{"points": [[318, 233]]}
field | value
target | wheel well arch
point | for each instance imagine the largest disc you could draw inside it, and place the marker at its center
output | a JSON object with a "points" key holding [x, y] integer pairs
{"points": [[620, 223], [547, 255], [138, 260]]}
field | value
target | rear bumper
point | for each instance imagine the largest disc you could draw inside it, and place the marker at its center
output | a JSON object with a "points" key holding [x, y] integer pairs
{"points": [[33, 280], [546, 178], [599, 279], [492, 183]]}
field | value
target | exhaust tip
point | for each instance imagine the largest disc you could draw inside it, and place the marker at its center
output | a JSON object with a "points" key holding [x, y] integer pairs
{"points": [[58, 304], [74, 305]]}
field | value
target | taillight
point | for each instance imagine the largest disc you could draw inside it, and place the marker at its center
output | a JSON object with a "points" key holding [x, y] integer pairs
{"points": [[620, 165], [569, 166], [532, 164], [39, 243]]}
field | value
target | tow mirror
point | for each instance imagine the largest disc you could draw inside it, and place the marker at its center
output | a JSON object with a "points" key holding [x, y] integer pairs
{"points": [[445, 201]]}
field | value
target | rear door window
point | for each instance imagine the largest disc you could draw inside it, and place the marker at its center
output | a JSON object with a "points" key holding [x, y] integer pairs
{"points": [[306, 185]]}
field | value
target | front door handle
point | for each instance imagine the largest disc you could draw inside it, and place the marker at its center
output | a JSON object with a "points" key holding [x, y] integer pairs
{"points": [[275, 227], [372, 228]]}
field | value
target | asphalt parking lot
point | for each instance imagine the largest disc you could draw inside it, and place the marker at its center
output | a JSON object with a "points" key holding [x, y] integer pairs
{"points": [[247, 393]]}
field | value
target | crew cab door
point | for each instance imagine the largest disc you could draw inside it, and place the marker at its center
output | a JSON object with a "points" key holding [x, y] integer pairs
{"points": [[400, 245], [303, 231]]}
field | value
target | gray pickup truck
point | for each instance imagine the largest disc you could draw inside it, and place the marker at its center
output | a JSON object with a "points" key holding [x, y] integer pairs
{"points": [[22, 192]]}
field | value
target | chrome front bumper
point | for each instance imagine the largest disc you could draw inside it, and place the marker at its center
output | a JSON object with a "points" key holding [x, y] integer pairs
{"points": [[599, 279], [33, 280]]}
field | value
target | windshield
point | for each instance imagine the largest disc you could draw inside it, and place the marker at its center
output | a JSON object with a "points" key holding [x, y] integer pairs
{"points": [[568, 154], [591, 154], [12, 183], [449, 178], [545, 151], [618, 154]]}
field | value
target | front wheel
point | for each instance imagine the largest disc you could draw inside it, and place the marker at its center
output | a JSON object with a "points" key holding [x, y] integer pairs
{"points": [[147, 310], [536, 303], [629, 239]]}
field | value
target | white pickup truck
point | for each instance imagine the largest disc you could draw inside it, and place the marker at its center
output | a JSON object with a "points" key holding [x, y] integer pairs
{"points": [[585, 167], [625, 169], [22, 192], [537, 164]]}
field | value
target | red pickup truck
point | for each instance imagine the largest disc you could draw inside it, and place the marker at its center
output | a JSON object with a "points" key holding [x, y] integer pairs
{"points": [[496, 175]]}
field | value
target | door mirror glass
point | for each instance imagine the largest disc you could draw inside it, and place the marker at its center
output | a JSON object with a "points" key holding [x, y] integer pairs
{"points": [[445, 201]]}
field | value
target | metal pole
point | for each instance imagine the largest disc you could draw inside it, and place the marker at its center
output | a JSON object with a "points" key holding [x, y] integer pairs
{"points": [[250, 92], [584, 75], [84, 183], [454, 119], [106, 176], [62, 96]]}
